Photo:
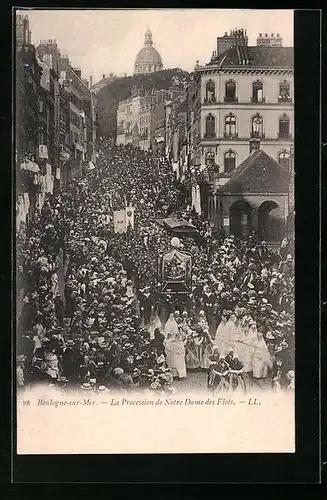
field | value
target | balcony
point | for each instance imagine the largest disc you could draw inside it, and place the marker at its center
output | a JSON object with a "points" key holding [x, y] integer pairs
{"points": [[256, 100], [230, 136], [204, 177], [258, 135], [285, 136], [212, 100], [224, 175], [231, 99], [285, 99]]}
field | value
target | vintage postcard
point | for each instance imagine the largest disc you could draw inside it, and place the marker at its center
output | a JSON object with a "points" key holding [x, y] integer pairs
{"points": [[154, 231]]}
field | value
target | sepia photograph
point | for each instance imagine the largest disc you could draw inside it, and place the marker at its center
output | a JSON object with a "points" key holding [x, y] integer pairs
{"points": [[154, 157]]}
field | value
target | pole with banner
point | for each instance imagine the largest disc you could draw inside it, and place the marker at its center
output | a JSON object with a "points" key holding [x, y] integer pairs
{"points": [[129, 217], [120, 221]]}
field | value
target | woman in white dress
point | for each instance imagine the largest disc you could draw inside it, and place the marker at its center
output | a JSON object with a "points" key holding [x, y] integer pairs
{"points": [[154, 323], [261, 359], [174, 347], [226, 332]]}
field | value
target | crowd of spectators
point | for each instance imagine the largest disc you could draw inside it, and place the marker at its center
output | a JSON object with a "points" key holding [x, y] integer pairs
{"points": [[102, 329]]}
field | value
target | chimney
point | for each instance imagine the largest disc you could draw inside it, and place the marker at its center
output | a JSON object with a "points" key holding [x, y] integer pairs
{"points": [[103, 77], [91, 81]]}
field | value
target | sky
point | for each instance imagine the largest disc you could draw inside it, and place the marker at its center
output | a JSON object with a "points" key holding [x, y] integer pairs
{"points": [[107, 41]]}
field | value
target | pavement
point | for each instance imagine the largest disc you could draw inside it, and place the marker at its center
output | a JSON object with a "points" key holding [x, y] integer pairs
{"points": [[194, 382]]}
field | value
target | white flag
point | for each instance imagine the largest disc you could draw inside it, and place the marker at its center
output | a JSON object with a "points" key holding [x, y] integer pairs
{"points": [[129, 217], [120, 221]]}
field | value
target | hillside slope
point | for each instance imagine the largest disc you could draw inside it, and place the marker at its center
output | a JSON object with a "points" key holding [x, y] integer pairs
{"points": [[108, 98]]}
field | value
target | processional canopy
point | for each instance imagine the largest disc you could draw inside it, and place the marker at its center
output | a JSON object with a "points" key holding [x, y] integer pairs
{"points": [[175, 269]]}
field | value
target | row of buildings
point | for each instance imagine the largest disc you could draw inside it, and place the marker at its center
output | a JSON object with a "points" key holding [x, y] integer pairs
{"points": [[228, 134], [55, 121]]}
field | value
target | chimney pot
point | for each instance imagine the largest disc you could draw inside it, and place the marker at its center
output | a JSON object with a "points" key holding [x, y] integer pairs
{"points": [[272, 34], [266, 34], [278, 35]]}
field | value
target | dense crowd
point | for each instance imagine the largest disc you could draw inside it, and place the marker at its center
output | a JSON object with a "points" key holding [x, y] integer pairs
{"points": [[109, 329]]}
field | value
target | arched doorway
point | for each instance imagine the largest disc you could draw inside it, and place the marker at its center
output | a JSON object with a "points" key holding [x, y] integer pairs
{"points": [[241, 219], [270, 222]]}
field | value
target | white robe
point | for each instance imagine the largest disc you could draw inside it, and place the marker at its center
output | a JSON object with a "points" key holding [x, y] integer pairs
{"points": [[171, 326], [175, 355], [154, 323], [224, 336], [261, 359]]}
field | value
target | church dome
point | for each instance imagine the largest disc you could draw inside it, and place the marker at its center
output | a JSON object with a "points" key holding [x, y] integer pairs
{"points": [[148, 58], [148, 55]]}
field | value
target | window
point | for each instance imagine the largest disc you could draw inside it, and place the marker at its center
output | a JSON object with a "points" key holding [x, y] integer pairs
{"points": [[284, 92], [284, 159], [210, 126], [229, 161], [210, 91], [230, 126], [230, 91], [40, 106], [257, 92], [257, 127], [210, 158], [284, 126]]}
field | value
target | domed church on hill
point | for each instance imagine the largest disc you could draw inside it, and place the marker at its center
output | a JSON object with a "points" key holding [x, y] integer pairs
{"points": [[148, 60]]}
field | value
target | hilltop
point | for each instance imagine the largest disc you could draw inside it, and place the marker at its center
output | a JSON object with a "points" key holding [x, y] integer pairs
{"points": [[108, 97]]}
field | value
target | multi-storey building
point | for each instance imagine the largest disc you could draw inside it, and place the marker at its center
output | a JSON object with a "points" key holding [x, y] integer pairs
{"points": [[244, 102], [134, 119], [29, 178], [82, 119]]}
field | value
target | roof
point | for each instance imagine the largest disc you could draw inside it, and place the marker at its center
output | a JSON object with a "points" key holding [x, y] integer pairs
{"points": [[259, 173], [261, 57], [178, 225], [148, 55]]}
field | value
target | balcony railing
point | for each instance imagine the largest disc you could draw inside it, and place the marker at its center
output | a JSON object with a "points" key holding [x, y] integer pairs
{"points": [[285, 98], [284, 136], [231, 99], [228, 135], [257, 100], [212, 100], [210, 136], [257, 135], [225, 175]]}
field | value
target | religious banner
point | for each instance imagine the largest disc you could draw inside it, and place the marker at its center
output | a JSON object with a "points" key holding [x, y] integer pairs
{"points": [[129, 217], [120, 221]]}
